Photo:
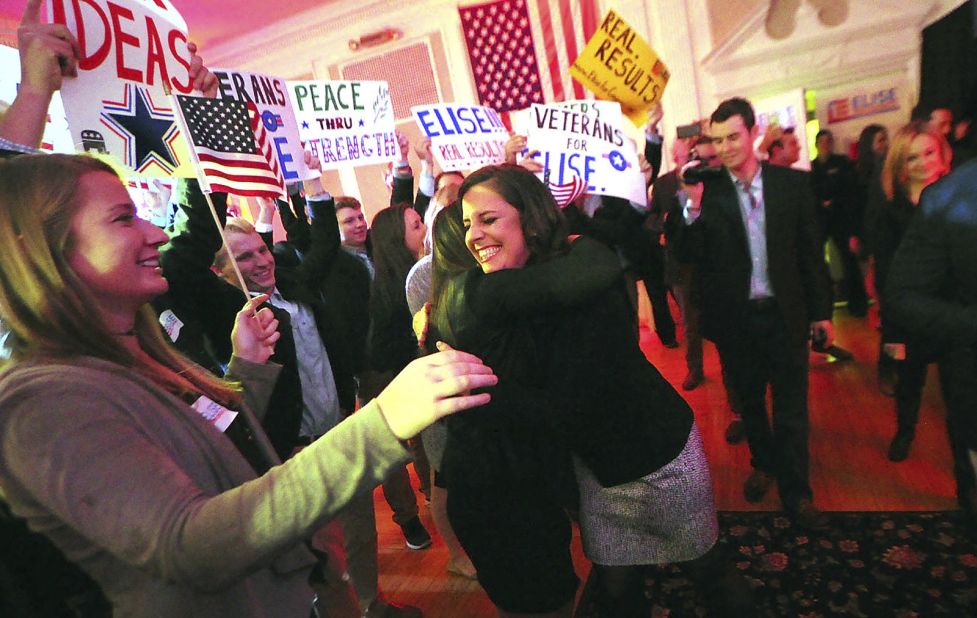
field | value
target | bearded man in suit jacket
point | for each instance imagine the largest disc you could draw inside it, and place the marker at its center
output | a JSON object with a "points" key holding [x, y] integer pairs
{"points": [[764, 288]]}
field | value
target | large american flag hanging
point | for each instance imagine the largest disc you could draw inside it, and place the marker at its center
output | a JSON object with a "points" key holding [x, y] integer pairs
{"points": [[226, 138], [507, 39]]}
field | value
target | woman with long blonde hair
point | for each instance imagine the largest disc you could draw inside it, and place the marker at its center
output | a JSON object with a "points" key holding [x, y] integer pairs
{"points": [[121, 451], [918, 156]]}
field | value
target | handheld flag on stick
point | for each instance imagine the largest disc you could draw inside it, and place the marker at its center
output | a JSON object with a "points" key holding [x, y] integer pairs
{"points": [[230, 147], [229, 155]]}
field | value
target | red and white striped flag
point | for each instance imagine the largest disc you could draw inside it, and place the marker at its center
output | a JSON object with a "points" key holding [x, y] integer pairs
{"points": [[568, 191], [230, 147], [521, 50]]}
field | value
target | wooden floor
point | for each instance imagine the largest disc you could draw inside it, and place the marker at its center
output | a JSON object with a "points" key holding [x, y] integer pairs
{"points": [[851, 424]]}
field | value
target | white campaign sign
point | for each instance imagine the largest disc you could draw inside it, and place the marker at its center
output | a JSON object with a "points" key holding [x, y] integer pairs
{"points": [[346, 123], [132, 52], [586, 140], [463, 137], [270, 95]]}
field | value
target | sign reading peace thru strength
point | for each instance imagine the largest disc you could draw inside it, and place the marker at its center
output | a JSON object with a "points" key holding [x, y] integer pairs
{"points": [[131, 52], [585, 139], [463, 137], [618, 65], [346, 123]]}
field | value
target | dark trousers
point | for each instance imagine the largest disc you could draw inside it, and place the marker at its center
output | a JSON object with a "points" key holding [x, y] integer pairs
{"points": [[958, 384], [911, 374], [758, 354], [658, 297]]}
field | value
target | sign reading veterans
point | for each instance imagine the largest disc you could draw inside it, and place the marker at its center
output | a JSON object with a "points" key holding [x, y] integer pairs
{"points": [[132, 53], [463, 137], [585, 139], [230, 147], [346, 123], [269, 95], [618, 65]]}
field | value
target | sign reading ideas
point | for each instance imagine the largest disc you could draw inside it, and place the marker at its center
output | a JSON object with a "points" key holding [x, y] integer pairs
{"points": [[463, 137], [132, 53], [618, 65], [585, 140], [346, 123], [269, 95]]}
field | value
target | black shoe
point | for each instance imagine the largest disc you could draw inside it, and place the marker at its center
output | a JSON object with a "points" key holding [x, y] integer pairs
{"points": [[735, 432], [757, 485], [899, 448], [807, 516], [693, 380], [415, 534]]}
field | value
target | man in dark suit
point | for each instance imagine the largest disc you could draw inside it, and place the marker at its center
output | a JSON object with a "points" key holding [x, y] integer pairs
{"points": [[932, 288], [764, 288]]}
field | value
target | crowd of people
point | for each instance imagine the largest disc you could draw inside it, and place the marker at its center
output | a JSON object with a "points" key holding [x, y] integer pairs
{"points": [[197, 416]]}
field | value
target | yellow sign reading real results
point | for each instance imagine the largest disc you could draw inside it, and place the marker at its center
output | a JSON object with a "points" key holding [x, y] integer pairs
{"points": [[617, 64]]}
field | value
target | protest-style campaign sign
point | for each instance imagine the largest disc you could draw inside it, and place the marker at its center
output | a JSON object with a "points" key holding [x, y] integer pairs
{"points": [[346, 123], [132, 53], [56, 138], [463, 137], [618, 65], [584, 140], [269, 95]]}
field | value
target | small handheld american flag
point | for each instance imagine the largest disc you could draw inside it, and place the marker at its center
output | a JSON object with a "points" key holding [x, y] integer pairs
{"points": [[230, 147]]}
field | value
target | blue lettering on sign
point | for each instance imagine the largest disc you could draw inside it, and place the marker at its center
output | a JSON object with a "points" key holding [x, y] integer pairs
{"points": [[271, 120], [284, 158], [617, 161], [559, 164], [459, 121]]}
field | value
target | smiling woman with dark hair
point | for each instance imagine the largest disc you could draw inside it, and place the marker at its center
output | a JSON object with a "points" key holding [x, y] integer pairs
{"points": [[554, 317]]}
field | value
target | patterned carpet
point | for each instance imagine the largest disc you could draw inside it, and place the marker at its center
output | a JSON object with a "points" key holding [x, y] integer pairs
{"points": [[870, 564]]}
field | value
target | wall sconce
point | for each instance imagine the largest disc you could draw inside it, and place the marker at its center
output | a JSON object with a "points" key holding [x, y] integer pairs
{"points": [[374, 39]]}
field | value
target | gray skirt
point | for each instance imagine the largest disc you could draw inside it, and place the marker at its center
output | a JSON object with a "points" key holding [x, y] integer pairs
{"points": [[667, 516]]}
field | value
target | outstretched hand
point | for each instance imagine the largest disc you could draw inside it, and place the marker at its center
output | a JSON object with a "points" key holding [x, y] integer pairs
{"points": [[431, 387], [255, 331]]}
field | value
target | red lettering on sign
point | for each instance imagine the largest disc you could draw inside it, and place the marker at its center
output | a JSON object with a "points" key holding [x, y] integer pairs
{"points": [[154, 55], [122, 39], [174, 36]]}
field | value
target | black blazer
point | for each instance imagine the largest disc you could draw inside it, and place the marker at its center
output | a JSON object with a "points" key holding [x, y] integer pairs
{"points": [[718, 245]]}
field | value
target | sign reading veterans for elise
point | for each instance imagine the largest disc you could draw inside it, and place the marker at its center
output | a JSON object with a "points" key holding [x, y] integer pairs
{"points": [[269, 95], [585, 139], [346, 123], [463, 137], [131, 54], [618, 65]]}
